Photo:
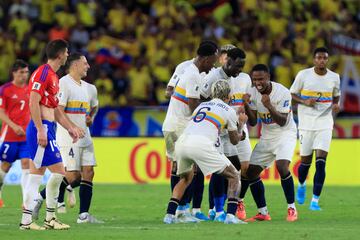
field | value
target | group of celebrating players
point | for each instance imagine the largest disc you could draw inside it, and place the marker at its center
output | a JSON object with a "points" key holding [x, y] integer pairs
{"points": [[45, 122], [205, 133], [205, 129]]}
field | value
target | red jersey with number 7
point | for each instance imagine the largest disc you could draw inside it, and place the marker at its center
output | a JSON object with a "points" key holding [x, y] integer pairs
{"points": [[45, 82], [15, 102]]}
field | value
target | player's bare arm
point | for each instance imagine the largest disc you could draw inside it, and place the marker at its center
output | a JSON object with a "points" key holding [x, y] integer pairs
{"points": [[169, 91], [17, 129], [193, 103], [251, 114], [310, 102], [36, 114], [335, 104], [279, 118], [74, 131], [90, 118]]}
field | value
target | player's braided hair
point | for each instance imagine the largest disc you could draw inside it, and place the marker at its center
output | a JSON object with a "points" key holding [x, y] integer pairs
{"points": [[220, 89]]}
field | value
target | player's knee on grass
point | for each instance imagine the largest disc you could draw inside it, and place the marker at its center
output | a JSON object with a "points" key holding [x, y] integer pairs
{"points": [[283, 167]]}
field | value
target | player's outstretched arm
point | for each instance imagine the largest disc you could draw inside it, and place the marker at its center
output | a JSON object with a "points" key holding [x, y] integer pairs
{"points": [[5, 118], [34, 105], [193, 104]]}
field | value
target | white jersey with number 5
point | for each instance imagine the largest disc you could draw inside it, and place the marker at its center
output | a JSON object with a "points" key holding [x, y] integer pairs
{"points": [[324, 88], [209, 118], [280, 98]]}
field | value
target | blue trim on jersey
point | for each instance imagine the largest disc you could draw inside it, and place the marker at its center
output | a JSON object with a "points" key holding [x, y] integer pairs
{"points": [[44, 73]]}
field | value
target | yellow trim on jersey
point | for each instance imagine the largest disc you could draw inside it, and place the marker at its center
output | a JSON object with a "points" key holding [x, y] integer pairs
{"points": [[310, 93]]}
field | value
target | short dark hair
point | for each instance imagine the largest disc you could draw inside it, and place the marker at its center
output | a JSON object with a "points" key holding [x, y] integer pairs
{"points": [[19, 64], [55, 47], [320, 50], [71, 58], [207, 48], [260, 67], [236, 53]]}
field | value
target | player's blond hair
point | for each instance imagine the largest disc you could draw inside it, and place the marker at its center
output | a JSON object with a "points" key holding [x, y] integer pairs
{"points": [[220, 89]]}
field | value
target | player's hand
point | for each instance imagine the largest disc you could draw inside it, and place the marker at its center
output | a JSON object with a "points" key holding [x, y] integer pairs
{"points": [[265, 99], [242, 118], [89, 121], [310, 102], [18, 130], [246, 98], [42, 138], [335, 108], [73, 134]]}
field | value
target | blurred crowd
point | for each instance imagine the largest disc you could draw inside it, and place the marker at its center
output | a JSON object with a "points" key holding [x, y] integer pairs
{"points": [[134, 46]]}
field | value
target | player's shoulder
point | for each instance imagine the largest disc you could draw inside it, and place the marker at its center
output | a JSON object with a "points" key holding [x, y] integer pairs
{"points": [[333, 74], [280, 88], [306, 71], [5, 87], [183, 65], [90, 86], [244, 76]]}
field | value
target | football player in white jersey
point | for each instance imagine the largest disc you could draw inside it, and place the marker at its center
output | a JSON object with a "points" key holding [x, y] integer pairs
{"points": [[317, 92], [271, 101], [240, 84], [185, 99], [180, 69], [197, 146], [78, 100]]}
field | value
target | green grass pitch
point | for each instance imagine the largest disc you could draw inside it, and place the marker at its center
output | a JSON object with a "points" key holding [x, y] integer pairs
{"points": [[136, 212]]}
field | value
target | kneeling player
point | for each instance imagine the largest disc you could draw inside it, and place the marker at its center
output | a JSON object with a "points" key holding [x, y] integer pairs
{"points": [[196, 146]]}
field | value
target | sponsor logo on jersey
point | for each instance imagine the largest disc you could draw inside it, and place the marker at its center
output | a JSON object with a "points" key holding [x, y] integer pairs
{"points": [[36, 86]]}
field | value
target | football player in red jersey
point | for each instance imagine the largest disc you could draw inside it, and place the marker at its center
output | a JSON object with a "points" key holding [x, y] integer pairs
{"points": [[41, 140], [15, 116]]}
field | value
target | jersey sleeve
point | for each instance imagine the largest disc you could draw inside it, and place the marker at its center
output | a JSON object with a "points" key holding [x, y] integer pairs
{"points": [[336, 91], [252, 103], [94, 102], [192, 87], [174, 78], [297, 85], [38, 81], [205, 89], [284, 105], [232, 122], [2, 98], [63, 93]]}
